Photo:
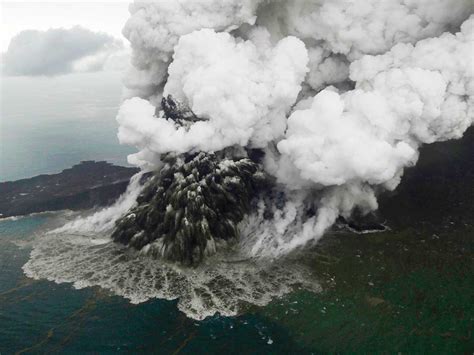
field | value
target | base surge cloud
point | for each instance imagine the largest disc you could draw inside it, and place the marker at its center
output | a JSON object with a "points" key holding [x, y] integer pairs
{"points": [[339, 95]]}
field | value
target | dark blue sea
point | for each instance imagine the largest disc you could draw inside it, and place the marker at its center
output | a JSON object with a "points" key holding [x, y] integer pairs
{"points": [[49, 124], [45, 317], [407, 290]]}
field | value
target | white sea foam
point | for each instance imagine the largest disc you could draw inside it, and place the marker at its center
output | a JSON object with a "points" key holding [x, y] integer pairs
{"points": [[222, 284], [81, 252]]}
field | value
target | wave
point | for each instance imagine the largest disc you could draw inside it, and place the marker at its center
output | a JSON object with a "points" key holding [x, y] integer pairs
{"points": [[81, 252], [222, 284]]}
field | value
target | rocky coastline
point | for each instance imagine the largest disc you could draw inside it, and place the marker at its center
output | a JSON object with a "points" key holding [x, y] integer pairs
{"points": [[86, 185], [439, 186]]}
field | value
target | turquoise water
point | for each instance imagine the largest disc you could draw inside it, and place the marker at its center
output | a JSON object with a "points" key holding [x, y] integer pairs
{"points": [[410, 292], [44, 317], [48, 124]]}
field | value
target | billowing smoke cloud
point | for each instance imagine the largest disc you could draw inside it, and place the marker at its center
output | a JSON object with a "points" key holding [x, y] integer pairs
{"points": [[61, 51], [355, 28], [340, 94], [408, 96], [236, 85], [154, 28]]}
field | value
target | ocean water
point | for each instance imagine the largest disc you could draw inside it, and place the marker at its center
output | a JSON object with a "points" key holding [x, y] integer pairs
{"points": [[398, 292], [49, 124], [45, 317], [408, 290]]}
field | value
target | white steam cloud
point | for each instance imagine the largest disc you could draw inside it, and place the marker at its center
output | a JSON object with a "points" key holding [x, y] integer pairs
{"points": [[61, 51], [237, 85], [155, 27], [340, 94]]}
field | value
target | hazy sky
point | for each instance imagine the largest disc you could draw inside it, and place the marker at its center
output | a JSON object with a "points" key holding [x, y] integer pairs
{"points": [[68, 117], [105, 16]]}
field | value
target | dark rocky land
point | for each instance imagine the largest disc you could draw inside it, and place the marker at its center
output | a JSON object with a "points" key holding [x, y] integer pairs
{"points": [[195, 201], [86, 185], [406, 290], [191, 204], [438, 190]]}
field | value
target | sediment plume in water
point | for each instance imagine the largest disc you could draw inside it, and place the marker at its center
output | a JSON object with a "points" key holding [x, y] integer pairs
{"points": [[338, 96], [225, 283]]}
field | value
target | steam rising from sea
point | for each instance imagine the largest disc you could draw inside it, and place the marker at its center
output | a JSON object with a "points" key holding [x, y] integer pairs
{"points": [[339, 95], [222, 284], [81, 252]]}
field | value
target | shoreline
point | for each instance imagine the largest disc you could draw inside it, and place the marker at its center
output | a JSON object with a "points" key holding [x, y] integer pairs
{"points": [[84, 186]]}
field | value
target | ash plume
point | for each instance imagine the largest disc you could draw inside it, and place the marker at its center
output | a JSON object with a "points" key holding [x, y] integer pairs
{"points": [[339, 95]]}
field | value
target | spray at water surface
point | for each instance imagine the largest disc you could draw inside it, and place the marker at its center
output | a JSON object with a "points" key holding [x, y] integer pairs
{"points": [[330, 99], [339, 95]]}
